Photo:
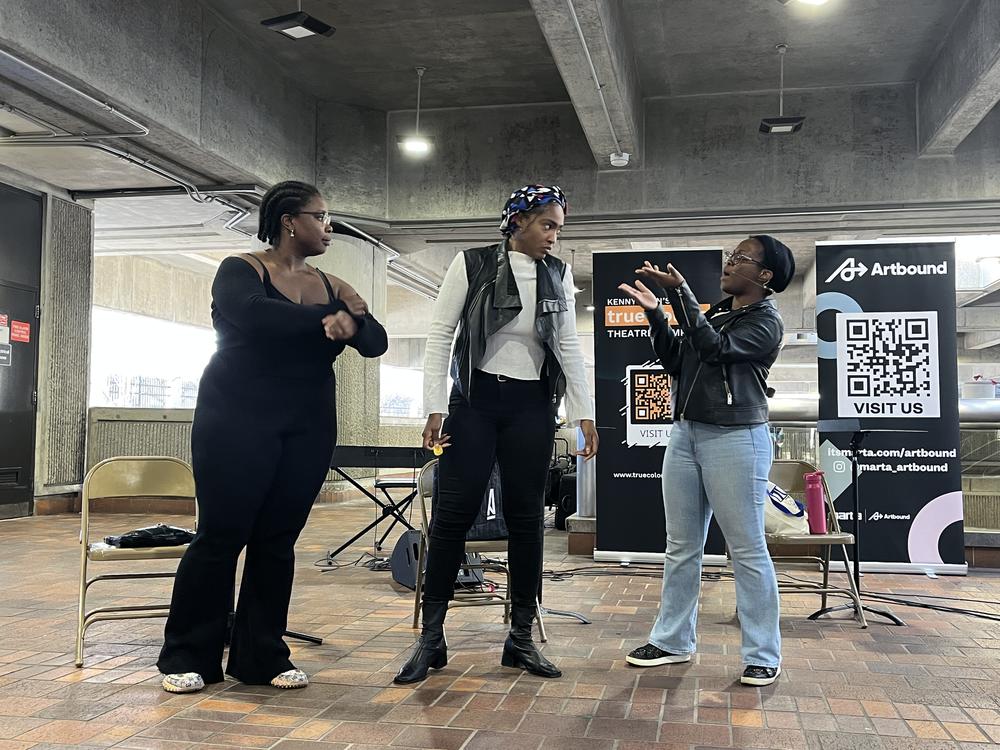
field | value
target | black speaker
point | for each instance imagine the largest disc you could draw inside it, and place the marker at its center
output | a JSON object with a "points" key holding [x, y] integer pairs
{"points": [[404, 564], [404, 559]]}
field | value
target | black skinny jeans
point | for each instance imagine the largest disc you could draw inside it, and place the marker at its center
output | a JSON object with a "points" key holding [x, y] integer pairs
{"points": [[510, 421], [261, 450]]}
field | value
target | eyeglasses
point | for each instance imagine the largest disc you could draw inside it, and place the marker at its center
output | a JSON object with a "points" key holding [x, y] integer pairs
{"points": [[322, 216], [735, 258]]}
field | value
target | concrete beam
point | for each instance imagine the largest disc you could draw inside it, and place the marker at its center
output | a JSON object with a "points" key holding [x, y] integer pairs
{"points": [[215, 106], [963, 83], [975, 319], [982, 339], [588, 37]]}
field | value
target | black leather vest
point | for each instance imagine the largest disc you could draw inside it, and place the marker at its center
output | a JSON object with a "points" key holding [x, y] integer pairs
{"points": [[493, 301]]}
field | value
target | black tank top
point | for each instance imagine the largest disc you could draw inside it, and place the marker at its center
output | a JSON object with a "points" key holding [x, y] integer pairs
{"points": [[269, 335]]}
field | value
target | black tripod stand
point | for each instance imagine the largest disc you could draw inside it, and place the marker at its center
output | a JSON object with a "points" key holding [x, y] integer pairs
{"points": [[853, 427]]}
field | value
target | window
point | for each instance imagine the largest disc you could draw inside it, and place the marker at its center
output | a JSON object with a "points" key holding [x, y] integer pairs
{"points": [[401, 392], [138, 362], [401, 379]]}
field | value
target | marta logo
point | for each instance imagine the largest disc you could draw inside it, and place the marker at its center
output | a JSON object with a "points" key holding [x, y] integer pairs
{"points": [[852, 269]]}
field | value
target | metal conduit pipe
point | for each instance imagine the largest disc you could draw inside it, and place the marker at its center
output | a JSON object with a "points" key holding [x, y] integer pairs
{"points": [[593, 74], [189, 188], [31, 118], [138, 129], [92, 140]]}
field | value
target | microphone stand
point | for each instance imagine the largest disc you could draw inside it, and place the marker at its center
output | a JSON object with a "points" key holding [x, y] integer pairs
{"points": [[857, 437]]}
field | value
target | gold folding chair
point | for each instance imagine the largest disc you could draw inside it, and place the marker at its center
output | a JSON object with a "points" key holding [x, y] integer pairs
{"points": [[127, 477], [788, 475], [425, 491]]}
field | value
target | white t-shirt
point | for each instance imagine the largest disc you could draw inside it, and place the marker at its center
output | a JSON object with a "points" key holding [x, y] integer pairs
{"points": [[514, 350]]}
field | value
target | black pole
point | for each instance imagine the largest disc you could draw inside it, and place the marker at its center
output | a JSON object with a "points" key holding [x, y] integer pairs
{"points": [[855, 444]]}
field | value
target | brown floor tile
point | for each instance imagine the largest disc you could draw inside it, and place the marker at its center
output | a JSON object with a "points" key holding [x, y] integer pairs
{"points": [[485, 740], [576, 743], [432, 737], [363, 732], [498, 721], [929, 686], [558, 726]]}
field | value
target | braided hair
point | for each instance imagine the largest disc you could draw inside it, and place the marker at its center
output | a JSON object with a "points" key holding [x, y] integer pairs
{"points": [[288, 197]]}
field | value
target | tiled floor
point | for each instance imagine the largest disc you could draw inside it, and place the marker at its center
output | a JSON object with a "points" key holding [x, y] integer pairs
{"points": [[932, 684]]}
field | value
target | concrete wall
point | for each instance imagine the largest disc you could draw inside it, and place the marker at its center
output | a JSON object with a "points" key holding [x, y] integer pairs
{"points": [[148, 287], [481, 155], [701, 153], [351, 159], [362, 266], [210, 99]]}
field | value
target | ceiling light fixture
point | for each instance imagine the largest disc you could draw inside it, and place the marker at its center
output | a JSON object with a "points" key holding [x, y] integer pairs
{"points": [[416, 145], [298, 25], [804, 2], [781, 125]]}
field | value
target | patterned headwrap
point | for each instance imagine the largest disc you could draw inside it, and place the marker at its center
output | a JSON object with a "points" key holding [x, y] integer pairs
{"points": [[527, 198]]}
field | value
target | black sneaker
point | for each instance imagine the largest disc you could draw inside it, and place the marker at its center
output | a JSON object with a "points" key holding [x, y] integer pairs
{"points": [[651, 656], [759, 676]]}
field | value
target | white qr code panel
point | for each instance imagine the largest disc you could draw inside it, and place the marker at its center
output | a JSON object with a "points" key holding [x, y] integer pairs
{"points": [[647, 407], [887, 365]]}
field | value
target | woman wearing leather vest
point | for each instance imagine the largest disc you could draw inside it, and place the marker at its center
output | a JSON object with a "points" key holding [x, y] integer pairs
{"points": [[515, 355], [719, 454]]}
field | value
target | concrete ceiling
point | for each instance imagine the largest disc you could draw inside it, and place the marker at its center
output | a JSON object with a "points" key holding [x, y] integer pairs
{"points": [[686, 47], [494, 52], [477, 53]]}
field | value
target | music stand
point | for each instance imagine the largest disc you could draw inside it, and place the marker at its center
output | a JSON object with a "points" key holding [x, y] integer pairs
{"points": [[379, 457], [853, 428]]}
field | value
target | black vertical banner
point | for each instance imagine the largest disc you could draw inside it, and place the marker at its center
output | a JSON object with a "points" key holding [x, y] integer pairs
{"points": [[885, 316], [633, 401]]}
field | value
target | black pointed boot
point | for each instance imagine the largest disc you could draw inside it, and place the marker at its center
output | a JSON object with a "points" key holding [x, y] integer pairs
{"points": [[519, 650], [431, 650]]}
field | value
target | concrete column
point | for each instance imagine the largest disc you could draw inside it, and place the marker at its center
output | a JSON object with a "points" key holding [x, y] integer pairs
{"points": [[364, 267], [64, 351]]}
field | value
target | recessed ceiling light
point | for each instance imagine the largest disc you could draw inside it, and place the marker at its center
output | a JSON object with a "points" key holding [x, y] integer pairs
{"points": [[781, 124], [298, 25]]}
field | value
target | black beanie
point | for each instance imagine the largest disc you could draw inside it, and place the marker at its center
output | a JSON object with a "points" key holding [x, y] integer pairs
{"points": [[778, 260]]}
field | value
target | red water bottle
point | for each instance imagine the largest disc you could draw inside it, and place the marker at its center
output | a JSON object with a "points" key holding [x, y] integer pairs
{"points": [[815, 502]]}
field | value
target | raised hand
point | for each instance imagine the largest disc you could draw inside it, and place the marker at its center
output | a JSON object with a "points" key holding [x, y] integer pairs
{"points": [[668, 279], [642, 295]]}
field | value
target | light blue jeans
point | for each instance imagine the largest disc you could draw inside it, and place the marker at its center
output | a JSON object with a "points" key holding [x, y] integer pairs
{"points": [[706, 469]]}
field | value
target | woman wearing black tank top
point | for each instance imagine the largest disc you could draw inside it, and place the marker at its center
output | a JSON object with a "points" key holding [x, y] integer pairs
{"points": [[264, 431]]}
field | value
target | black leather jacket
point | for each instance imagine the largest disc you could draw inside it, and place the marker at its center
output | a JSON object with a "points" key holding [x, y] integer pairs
{"points": [[719, 360], [493, 301]]}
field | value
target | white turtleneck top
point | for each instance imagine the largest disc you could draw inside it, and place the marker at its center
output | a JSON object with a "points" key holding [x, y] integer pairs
{"points": [[515, 350]]}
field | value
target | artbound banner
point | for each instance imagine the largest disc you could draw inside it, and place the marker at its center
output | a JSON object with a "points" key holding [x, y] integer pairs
{"points": [[887, 359], [633, 402]]}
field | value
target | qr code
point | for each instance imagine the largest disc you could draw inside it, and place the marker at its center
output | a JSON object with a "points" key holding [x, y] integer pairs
{"points": [[650, 402], [887, 364]]}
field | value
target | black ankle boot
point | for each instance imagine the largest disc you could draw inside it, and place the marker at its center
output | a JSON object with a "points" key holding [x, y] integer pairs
{"points": [[519, 650], [431, 650]]}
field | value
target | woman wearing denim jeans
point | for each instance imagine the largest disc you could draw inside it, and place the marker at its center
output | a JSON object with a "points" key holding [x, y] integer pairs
{"points": [[719, 453]]}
